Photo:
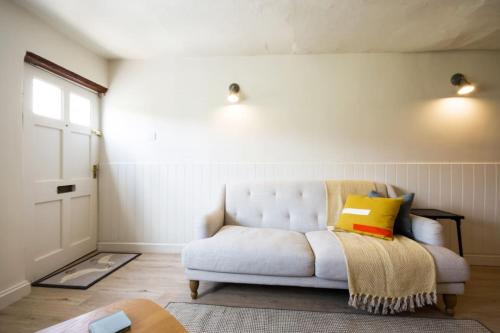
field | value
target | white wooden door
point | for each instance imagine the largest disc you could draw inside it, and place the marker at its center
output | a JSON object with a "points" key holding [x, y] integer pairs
{"points": [[60, 151]]}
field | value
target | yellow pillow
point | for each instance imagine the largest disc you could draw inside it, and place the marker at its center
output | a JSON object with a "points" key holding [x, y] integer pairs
{"points": [[369, 216]]}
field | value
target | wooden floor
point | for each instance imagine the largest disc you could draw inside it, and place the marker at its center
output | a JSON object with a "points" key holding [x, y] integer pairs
{"points": [[160, 277]]}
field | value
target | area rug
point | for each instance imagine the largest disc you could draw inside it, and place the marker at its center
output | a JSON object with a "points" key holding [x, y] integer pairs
{"points": [[214, 318], [84, 274]]}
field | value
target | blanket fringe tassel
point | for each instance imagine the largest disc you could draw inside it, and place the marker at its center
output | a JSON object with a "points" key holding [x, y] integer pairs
{"points": [[388, 305]]}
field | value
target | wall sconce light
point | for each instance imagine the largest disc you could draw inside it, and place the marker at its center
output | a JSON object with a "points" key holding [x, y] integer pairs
{"points": [[234, 93], [464, 87]]}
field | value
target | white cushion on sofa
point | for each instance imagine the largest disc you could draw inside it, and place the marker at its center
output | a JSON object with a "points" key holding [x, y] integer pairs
{"points": [[243, 250], [330, 260]]}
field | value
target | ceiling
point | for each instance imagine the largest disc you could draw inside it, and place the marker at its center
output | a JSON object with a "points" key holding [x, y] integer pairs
{"points": [[147, 28]]}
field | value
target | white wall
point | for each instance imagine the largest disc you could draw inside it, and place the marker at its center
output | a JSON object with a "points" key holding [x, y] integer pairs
{"points": [[170, 140], [19, 32], [342, 108]]}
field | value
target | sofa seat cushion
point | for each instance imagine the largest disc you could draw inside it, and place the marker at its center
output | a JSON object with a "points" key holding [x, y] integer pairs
{"points": [[450, 266], [330, 260], [244, 250]]}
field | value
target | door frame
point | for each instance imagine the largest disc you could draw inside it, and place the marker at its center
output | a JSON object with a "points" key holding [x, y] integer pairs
{"points": [[28, 174]]}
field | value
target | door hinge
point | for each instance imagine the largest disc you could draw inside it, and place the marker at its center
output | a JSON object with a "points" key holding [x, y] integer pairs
{"points": [[95, 171]]}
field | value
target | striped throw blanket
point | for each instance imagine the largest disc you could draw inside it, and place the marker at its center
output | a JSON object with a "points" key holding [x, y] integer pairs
{"points": [[385, 276]]}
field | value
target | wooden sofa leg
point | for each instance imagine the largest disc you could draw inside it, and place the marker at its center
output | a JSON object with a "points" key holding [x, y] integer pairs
{"points": [[193, 285], [449, 303]]}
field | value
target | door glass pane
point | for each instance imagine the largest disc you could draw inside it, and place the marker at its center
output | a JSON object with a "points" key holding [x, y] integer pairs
{"points": [[79, 110], [46, 99]]}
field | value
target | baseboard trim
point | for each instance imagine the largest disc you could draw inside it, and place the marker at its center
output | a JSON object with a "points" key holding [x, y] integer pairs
{"points": [[14, 293], [483, 259], [140, 247]]}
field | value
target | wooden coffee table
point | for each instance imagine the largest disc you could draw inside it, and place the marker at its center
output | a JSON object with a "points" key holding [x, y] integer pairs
{"points": [[146, 316]]}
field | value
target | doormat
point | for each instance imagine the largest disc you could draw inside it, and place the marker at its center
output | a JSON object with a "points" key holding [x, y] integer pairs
{"points": [[86, 273]]}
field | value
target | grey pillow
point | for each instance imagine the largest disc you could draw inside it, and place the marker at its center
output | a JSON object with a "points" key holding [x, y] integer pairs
{"points": [[402, 225]]}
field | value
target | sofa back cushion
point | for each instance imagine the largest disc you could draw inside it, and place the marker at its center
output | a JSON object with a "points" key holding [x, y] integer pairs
{"points": [[298, 206]]}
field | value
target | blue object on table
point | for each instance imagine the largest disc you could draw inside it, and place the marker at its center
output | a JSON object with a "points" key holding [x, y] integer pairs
{"points": [[116, 322]]}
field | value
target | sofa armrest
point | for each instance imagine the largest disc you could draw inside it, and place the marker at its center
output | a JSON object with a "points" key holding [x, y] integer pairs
{"points": [[427, 231], [210, 224]]}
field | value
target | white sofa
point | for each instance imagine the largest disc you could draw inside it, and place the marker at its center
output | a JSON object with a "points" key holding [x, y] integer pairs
{"points": [[275, 234]]}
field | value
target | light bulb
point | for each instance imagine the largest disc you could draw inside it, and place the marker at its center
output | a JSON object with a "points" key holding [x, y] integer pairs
{"points": [[233, 98], [466, 89]]}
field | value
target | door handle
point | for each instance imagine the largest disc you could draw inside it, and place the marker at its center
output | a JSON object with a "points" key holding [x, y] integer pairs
{"points": [[97, 132], [66, 188]]}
